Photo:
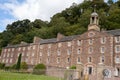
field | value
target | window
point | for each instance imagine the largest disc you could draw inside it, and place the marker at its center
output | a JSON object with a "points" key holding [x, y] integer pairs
{"points": [[13, 49], [68, 60], [6, 60], [41, 46], [90, 41], [34, 47], [78, 51], [58, 60], [5, 50], [26, 60], [3, 60], [59, 44], [78, 60], [79, 42], [117, 59], [48, 52], [8, 55], [89, 59], [102, 50], [49, 45], [102, 59], [117, 39], [29, 48], [117, 72], [48, 60], [40, 53], [68, 52], [58, 52], [33, 54], [90, 70], [90, 50], [23, 48], [11, 54], [10, 60], [8, 50], [117, 48], [103, 40], [4, 55], [19, 49], [69, 44]]}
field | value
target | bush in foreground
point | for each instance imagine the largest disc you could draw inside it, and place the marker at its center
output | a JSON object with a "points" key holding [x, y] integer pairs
{"points": [[39, 69]]}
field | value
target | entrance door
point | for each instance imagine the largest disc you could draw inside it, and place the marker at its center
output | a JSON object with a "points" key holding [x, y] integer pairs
{"points": [[89, 70]]}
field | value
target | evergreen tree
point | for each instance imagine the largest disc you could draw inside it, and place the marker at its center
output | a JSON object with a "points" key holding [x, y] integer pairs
{"points": [[18, 62]]}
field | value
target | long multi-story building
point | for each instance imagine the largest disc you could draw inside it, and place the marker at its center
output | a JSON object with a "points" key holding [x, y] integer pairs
{"points": [[91, 48]]}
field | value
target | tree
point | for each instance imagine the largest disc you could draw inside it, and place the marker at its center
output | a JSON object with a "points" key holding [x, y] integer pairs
{"points": [[19, 62], [110, 2]]}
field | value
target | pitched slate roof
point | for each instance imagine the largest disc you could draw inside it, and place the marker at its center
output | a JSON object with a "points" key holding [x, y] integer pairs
{"points": [[114, 32], [45, 41], [54, 40]]}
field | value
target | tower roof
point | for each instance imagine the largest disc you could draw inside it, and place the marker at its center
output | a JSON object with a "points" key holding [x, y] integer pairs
{"points": [[94, 14]]}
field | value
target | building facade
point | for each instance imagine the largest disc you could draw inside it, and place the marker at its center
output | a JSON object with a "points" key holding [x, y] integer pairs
{"points": [[91, 48]]}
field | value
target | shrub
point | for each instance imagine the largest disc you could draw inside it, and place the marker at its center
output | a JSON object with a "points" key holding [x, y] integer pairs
{"points": [[18, 62], [40, 66], [39, 69], [2, 65], [24, 65], [73, 67], [7, 68], [13, 66]]}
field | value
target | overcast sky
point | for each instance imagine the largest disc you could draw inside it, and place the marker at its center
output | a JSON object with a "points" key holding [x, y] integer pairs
{"points": [[13, 10]]}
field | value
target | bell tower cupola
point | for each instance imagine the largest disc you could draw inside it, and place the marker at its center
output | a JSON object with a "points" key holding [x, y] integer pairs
{"points": [[94, 22]]}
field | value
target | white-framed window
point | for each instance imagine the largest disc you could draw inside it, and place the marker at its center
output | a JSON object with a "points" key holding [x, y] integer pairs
{"points": [[48, 52], [26, 60], [49, 45], [102, 59], [58, 60], [102, 49], [19, 49], [13, 49], [6, 60], [117, 59], [34, 46], [58, 52], [40, 53], [27, 54], [11, 60], [8, 50], [90, 41], [59, 44], [89, 59], [117, 48], [78, 51], [48, 60], [90, 49], [68, 60], [41, 46], [22, 54], [68, 51], [33, 54], [117, 39], [11, 54], [29, 48], [5, 50], [4, 55], [79, 42], [3, 60], [78, 60], [69, 44], [8, 54], [103, 40], [23, 48]]}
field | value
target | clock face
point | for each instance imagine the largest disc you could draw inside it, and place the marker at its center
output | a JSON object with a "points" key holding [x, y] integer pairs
{"points": [[91, 34], [105, 72]]}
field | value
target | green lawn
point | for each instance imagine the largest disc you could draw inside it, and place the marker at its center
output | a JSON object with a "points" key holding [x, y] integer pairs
{"points": [[18, 76]]}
